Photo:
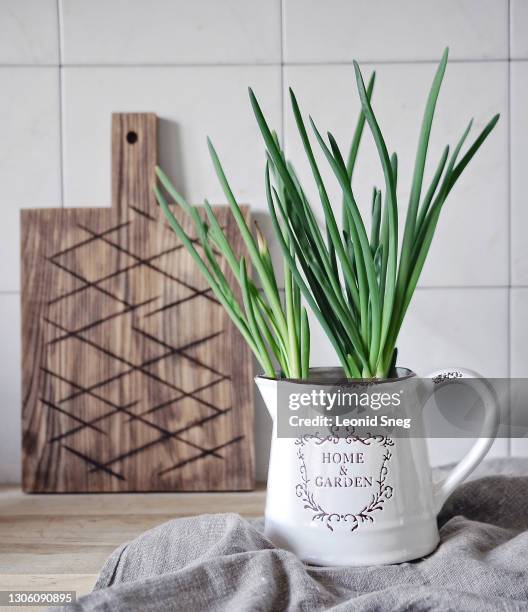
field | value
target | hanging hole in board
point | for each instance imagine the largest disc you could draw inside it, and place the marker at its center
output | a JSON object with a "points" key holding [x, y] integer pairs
{"points": [[131, 137]]}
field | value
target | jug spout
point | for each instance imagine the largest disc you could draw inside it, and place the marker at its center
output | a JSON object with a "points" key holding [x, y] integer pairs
{"points": [[268, 391]]}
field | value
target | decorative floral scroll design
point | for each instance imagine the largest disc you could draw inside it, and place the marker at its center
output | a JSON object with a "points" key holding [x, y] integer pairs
{"points": [[335, 436], [365, 515]]}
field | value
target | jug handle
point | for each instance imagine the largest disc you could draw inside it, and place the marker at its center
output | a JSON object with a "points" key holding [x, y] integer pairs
{"points": [[476, 453]]}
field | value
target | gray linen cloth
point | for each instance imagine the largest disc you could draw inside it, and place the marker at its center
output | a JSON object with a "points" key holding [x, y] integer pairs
{"points": [[221, 562]]}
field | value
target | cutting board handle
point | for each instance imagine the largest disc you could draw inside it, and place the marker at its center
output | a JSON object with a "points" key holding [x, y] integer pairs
{"points": [[134, 159]]}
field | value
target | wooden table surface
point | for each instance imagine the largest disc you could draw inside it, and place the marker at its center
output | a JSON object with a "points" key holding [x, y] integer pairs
{"points": [[59, 542]]}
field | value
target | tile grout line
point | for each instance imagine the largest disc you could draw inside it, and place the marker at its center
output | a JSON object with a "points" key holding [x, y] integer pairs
{"points": [[509, 228], [61, 105], [456, 288], [461, 287], [33, 66], [439, 288], [403, 62]]}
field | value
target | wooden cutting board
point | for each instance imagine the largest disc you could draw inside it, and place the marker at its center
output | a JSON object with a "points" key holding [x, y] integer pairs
{"points": [[133, 376]]}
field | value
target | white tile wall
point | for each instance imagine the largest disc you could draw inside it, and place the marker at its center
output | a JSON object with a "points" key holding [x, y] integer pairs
{"points": [[29, 155], [519, 360], [29, 32], [191, 105], [171, 32], [518, 29], [448, 328], [65, 65], [10, 436], [384, 30], [519, 327], [519, 162]]}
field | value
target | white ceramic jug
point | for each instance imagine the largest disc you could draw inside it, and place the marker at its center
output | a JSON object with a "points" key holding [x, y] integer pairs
{"points": [[384, 508]]}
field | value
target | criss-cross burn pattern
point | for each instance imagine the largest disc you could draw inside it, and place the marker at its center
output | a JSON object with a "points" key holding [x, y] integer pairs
{"points": [[160, 350]]}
